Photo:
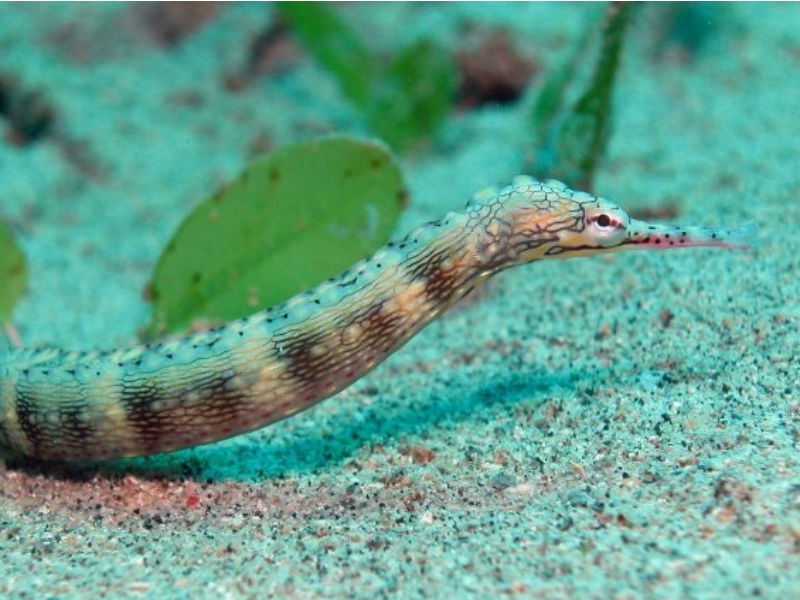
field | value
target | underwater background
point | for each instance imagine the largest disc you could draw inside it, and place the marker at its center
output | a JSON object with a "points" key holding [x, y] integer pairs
{"points": [[614, 427]]}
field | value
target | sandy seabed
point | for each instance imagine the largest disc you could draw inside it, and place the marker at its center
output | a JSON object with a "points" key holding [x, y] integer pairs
{"points": [[599, 428]]}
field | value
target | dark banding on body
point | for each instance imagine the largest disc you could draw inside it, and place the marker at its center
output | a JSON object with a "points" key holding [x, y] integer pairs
{"points": [[180, 417], [27, 412]]}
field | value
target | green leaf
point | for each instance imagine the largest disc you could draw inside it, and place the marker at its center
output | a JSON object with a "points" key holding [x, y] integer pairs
{"points": [[404, 101], [414, 96], [293, 219], [334, 45], [549, 107], [13, 273], [586, 130], [572, 149]]}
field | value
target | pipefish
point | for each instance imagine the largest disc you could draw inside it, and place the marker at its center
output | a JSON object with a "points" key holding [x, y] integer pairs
{"points": [[253, 371]]}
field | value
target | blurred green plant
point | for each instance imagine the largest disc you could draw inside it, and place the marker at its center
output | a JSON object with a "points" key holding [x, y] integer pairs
{"points": [[571, 140], [404, 100], [13, 273], [292, 219], [686, 26]]}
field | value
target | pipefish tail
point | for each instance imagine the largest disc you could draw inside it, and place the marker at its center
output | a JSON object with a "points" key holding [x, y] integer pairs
{"points": [[248, 373]]}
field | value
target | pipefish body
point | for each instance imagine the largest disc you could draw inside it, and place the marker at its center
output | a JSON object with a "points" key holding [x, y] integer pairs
{"points": [[250, 372]]}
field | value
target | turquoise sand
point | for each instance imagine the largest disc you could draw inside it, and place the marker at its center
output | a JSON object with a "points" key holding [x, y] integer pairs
{"points": [[620, 427]]}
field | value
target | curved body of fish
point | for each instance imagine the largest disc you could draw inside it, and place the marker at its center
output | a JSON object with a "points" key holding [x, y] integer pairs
{"points": [[61, 405]]}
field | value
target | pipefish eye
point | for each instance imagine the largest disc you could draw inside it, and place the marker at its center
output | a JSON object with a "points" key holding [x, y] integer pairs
{"points": [[603, 220], [606, 226]]}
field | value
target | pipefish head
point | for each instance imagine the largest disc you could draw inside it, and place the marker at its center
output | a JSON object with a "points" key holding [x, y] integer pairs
{"points": [[533, 220]]}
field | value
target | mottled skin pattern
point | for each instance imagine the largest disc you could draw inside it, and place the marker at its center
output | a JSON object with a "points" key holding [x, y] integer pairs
{"points": [[204, 387]]}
